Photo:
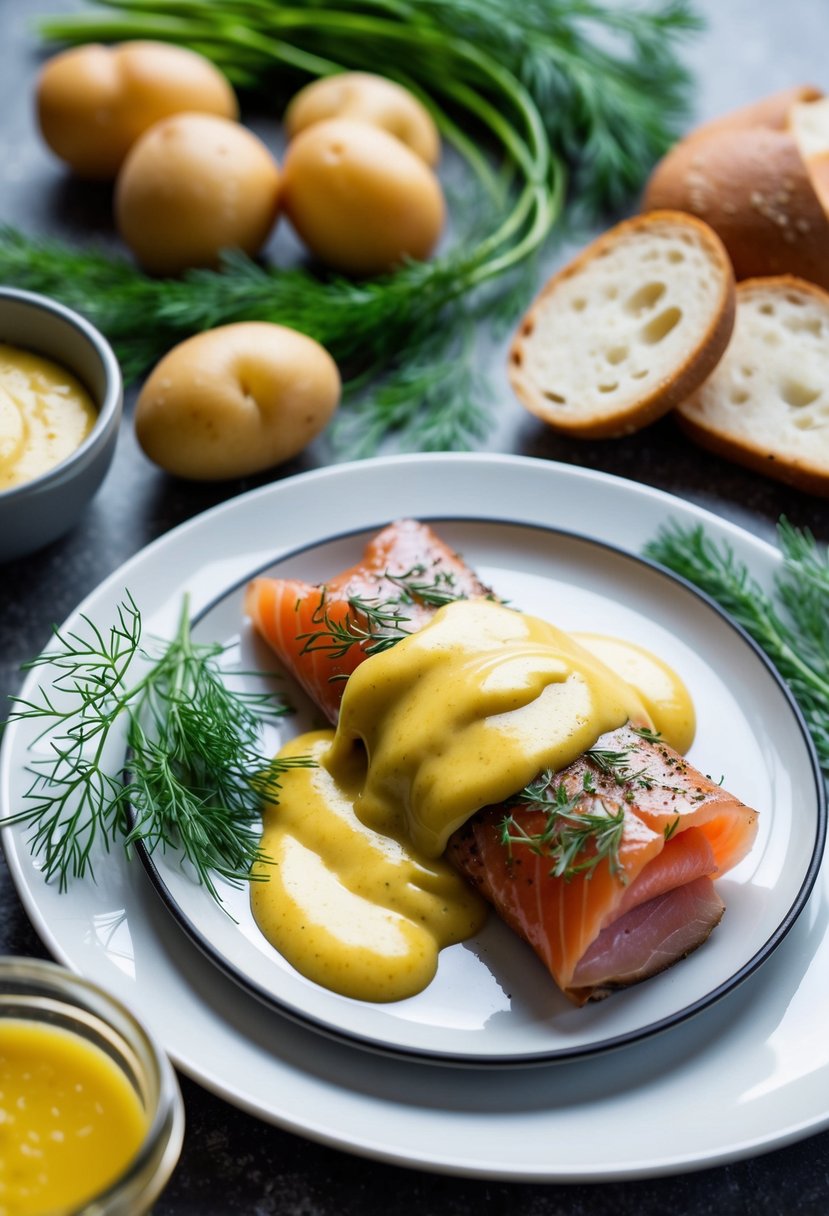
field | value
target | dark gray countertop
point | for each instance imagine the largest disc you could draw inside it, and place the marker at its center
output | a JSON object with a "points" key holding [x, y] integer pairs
{"points": [[232, 1162]]}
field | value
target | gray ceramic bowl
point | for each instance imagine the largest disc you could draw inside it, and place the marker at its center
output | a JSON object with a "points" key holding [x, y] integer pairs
{"points": [[40, 510]]}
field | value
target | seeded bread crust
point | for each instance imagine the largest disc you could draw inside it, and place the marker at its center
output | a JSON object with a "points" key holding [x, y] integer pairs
{"points": [[628, 330], [766, 405], [745, 176]]}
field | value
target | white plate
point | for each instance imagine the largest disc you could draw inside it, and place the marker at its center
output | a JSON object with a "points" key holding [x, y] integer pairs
{"points": [[492, 1001], [749, 1074]]}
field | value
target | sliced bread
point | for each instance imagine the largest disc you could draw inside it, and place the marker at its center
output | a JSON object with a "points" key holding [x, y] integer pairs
{"points": [[756, 177], [766, 404], [627, 330], [808, 122]]}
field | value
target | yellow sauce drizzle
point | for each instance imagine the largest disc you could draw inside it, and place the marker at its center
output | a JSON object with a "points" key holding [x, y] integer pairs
{"points": [[354, 910], [663, 694], [45, 414], [70, 1121], [461, 714]]}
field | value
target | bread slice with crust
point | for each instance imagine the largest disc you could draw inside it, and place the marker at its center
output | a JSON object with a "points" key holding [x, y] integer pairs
{"points": [[766, 404], [808, 122], [760, 178], [627, 330]]}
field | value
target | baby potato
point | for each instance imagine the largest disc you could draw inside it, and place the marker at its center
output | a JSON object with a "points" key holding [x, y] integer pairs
{"points": [[192, 186], [235, 400], [359, 198], [369, 98], [93, 101]]}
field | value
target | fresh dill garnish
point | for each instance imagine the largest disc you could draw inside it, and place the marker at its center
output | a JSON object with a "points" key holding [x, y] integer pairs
{"points": [[374, 623], [609, 761], [581, 831], [194, 779], [415, 586], [670, 828], [520, 91], [616, 764], [648, 734], [790, 622]]}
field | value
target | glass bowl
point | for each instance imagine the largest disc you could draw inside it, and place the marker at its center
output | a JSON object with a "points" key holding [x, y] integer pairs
{"points": [[48, 996]]}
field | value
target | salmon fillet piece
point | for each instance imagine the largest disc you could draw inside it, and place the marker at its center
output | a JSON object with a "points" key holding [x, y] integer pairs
{"points": [[597, 930], [679, 828], [299, 620]]}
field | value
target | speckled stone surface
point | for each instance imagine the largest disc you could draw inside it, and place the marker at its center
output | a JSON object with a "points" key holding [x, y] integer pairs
{"points": [[233, 1163]]}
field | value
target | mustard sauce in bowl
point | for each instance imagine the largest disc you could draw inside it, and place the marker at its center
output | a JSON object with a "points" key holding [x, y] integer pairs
{"points": [[70, 1121], [61, 405], [91, 1116], [45, 415]]}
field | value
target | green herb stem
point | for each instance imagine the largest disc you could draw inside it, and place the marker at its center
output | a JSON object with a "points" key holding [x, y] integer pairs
{"points": [[791, 624], [195, 777]]}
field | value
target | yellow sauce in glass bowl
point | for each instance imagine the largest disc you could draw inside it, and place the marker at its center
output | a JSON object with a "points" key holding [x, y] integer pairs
{"points": [[70, 1120], [45, 415]]}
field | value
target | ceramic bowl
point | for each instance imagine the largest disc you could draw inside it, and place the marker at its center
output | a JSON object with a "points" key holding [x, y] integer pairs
{"points": [[39, 511]]}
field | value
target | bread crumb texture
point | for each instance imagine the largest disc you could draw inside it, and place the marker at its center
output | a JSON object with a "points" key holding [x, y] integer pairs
{"points": [[766, 404], [627, 329]]}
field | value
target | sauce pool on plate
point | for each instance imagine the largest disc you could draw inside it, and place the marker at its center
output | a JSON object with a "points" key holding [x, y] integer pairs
{"points": [[45, 415], [70, 1121]]}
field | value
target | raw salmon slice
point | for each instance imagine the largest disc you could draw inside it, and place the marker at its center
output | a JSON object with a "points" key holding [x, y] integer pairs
{"points": [[321, 633], [599, 930]]}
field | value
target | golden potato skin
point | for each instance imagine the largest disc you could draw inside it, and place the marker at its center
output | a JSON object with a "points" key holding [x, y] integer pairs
{"points": [[359, 198], [192, 186], [93, 101], [236, 400], [369, 98]]}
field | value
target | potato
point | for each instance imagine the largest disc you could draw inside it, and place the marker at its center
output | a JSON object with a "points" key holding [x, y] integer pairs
{"points": [[192, 186], [359, 198], [93, 101], [236, 400], [369, 98]]}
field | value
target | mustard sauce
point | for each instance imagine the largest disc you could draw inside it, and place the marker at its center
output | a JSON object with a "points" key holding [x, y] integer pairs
{"points": [[70, 1121], [663, 694], [459, 715], [45, 414], [350, 908]]}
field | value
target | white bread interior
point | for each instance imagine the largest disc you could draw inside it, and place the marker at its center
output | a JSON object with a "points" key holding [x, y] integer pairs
{"points": [[628, 329], [766, 404]]}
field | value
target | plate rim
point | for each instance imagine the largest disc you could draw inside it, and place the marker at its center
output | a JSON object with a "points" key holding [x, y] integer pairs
{"points": [[374, 1126], [530, 1058]]}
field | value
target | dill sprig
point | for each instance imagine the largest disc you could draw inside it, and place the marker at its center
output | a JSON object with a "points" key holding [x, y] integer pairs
{"points": [[791, 624], [592, 69], [434, 592], [582, 830], [616, 764], [194, 779], [377, 623], [518, 90]]}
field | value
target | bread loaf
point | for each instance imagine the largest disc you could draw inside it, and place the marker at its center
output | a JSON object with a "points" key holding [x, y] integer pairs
{"points": [[747, 176], [766, 404], [628, 330]]}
